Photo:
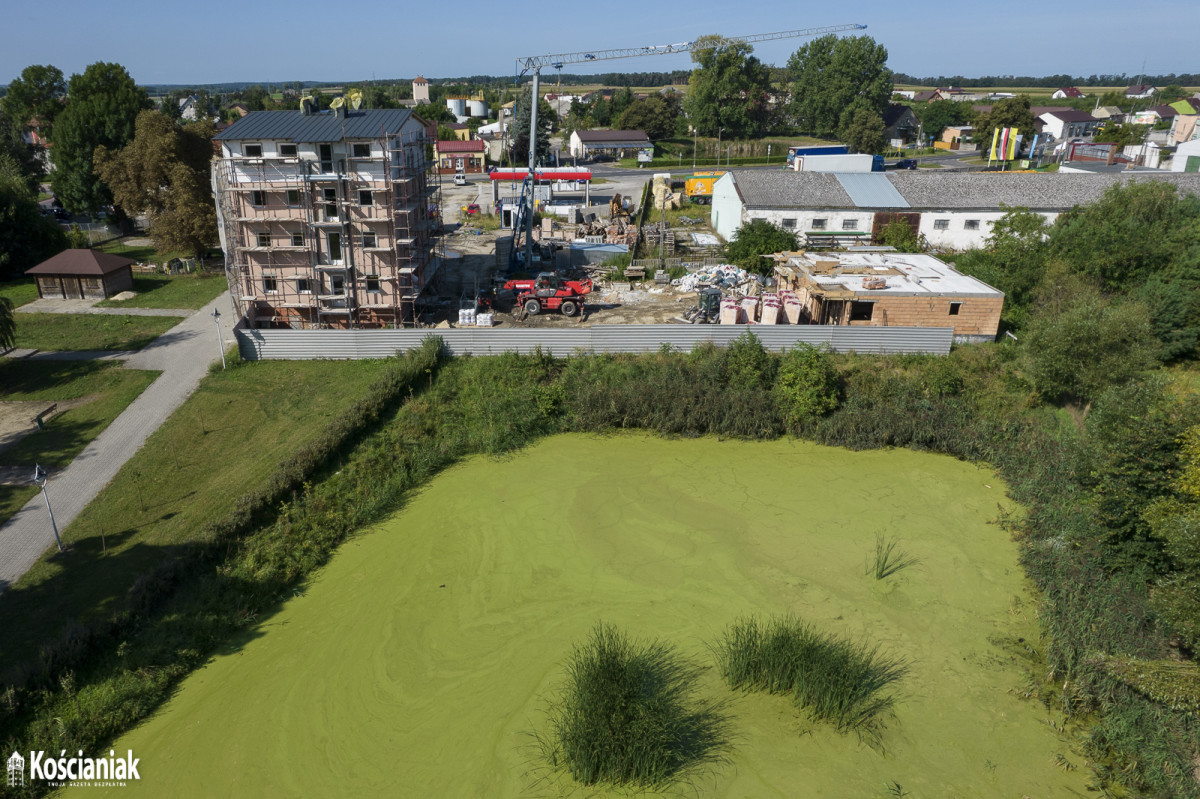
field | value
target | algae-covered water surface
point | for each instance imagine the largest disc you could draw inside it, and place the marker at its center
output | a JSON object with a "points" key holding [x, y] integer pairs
{"points": [[418, 662]]}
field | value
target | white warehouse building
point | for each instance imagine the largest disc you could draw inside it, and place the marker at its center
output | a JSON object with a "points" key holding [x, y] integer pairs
{"points": [[952, 210]]}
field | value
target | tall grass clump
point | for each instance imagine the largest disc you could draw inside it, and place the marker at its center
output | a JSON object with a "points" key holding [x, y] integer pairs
{"points": [[628, 714], [836, 680], [887, 560]]}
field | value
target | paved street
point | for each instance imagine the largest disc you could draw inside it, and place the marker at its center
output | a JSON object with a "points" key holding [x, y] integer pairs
{"points": [[183, 354]]}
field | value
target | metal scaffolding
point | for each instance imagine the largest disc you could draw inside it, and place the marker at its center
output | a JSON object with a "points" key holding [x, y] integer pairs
{"points": [[342, 240]]}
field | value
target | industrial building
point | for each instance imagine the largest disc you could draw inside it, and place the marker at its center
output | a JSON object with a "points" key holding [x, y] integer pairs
{"points": [[324, 217], [952, 210], [889, 290]]}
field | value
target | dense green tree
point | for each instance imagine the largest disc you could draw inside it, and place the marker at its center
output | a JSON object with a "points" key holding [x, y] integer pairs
{"points": [[829, 74], [728, 89], [8, 324], [1123, 135], [1169, 94], [163, 173], [256, 98], [601, 112], [522, 111], [1175, 521], [1011, 112], [861, 129], [25, 157], [757, 238], [26, 236], [1141, 239], [1013, 259], [621, 101], [1115, 97], [101, 110], [900, 234], [1080, 342], [656, 115], [38, 93], [937, 116]]}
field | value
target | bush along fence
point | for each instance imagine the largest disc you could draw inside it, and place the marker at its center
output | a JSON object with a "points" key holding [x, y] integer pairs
{"points": [[974, 404]]}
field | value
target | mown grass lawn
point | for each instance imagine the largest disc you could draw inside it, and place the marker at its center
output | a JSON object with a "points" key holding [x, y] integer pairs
{"points": [[61, 331], [19, 292], [112, 388], [223, 442], [171, 291]]}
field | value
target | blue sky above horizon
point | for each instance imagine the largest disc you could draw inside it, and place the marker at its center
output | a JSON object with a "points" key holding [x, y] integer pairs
{"points": [[271, 41]]}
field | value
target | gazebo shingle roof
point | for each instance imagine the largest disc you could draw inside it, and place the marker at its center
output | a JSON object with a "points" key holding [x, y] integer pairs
{"points": [[80, 262]]}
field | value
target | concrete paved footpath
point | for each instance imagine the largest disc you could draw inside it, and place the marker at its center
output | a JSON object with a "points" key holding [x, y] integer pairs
{"points": [[183, 354]]}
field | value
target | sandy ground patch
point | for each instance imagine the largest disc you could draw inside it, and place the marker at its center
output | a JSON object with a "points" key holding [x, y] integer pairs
{"points": [[17, 421]]}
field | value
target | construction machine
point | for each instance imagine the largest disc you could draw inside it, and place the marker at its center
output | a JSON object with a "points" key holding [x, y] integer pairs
{"points": [[550, 292], [707, 310]]}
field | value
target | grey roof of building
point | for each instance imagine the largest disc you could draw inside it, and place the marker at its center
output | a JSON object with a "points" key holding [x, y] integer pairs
{"points": [[296, 127], [777, 187], [941, 190], [871, 190]]}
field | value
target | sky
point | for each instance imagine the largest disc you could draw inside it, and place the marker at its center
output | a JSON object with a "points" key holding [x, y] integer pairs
{"points": [[167, 41]]}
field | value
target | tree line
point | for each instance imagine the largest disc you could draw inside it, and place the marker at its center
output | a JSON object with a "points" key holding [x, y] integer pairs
{"points": [[1049, 81]]}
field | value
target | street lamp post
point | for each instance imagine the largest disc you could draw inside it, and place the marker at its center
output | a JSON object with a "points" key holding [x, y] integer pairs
{"points": [[220, 344], [40, 479], [695, 132], [719, 132]]}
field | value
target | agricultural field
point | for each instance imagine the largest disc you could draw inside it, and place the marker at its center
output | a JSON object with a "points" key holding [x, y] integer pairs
{"points": [[430, 650]]}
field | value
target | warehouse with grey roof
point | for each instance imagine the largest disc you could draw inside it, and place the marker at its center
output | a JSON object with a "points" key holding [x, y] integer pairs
{"points": [[952, 210]]}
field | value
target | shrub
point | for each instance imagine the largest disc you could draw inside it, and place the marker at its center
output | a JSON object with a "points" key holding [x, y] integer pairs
{"points": [[748, 364], [806, 385], [834, 679], [628, 714]]}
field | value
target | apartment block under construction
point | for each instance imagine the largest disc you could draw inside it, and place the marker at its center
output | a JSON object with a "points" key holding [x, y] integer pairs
{"points": [[324, 217]]}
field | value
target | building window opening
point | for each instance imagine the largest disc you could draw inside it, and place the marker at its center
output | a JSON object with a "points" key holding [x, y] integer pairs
{"points": [[373, 283], [818, 224], [955, 307], [971, 224], [270, 285], [297, 239], [253, 150], [861, 311], [368, 239], [264, 239], [789, 223], [941, 224], [293, 197], [362, 151], [365, 197], [849, 224], [258, 198], [304, 285], [288, 151]]}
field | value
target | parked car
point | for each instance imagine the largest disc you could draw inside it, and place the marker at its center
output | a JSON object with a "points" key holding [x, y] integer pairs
{"points": [[906, 163]]}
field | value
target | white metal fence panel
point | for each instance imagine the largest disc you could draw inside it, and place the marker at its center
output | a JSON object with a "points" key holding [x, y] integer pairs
{"points": [[350, 344]]}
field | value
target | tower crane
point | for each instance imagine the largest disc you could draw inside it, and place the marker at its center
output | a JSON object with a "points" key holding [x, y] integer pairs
{"points": [[534, 64]]}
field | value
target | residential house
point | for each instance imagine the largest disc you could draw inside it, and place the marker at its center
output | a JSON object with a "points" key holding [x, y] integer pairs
{"points": [[1184, 129], [1108, 112], [239, 108], [952, 210], [324, 217], [956, 137], [190, 108], [459, 156], [1068, 124], [925, 96], [1067, 91], [889, 290], [1140, 92], [900, 124], [1187, 157], [461, 131], [618, 143]]}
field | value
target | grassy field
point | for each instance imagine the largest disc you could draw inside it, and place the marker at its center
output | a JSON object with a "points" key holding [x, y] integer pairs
{"points": [[145, 253], [445, 628], [19, 292], [110, 387], [49, 331], [172, 291], [221, 443]]}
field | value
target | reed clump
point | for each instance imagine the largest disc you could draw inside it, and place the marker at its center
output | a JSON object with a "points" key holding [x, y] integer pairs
{"points": [[629, 714], [834, 679]]}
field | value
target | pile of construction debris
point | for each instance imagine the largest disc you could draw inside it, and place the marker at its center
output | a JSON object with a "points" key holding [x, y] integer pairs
{"points": [[724, 276], [610, 231]]}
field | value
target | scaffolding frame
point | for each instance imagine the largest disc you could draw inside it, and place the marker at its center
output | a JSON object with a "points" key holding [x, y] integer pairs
{"points": [[279, 215]]}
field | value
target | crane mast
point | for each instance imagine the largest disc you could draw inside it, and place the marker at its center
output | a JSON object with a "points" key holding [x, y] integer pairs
{"points": [[534, 64]]}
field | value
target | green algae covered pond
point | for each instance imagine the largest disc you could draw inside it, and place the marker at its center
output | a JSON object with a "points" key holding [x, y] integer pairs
{"points": [[420, 659]]}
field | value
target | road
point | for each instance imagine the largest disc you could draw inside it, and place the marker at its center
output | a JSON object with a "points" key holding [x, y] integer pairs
{"points": [[183, 354]]}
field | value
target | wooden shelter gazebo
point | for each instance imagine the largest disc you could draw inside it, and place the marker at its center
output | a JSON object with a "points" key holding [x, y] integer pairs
{"points": [[83, 274]]}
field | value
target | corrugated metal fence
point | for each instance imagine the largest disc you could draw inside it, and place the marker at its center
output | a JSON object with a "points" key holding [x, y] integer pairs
{"points": [[257, 345]]}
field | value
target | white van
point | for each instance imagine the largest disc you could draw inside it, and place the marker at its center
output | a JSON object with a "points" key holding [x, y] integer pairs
{"points": [[460, 179]]}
